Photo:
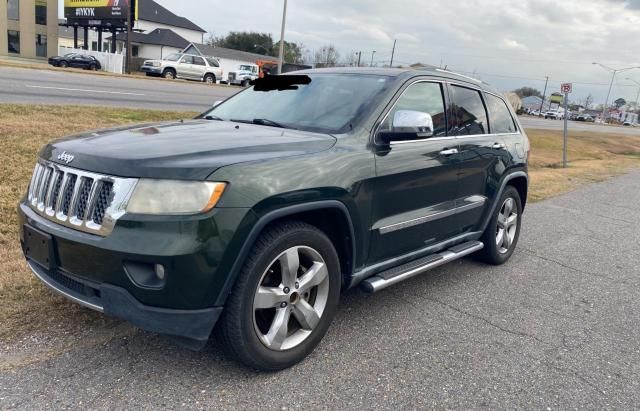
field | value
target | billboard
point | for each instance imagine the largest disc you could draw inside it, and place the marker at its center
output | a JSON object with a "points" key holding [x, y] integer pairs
{"points": [[81, 11]]}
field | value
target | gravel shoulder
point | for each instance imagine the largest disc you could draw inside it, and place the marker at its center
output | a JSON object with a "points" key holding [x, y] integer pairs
{"points": [[556, 327]]}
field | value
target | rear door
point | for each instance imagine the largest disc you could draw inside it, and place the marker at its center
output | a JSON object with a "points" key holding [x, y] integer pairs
{"points": [[415, 184], [198, 67], [480, 158]]}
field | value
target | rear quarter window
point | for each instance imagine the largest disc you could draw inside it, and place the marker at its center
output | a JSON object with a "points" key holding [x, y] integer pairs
{"points": [[500, 119]]}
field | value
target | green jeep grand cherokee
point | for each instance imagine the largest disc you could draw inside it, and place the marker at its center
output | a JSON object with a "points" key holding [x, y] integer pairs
{"points": [[254, 216]]}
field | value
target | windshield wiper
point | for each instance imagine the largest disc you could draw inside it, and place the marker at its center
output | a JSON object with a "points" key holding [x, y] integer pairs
{"points": [[210, 117], [261, 122]]}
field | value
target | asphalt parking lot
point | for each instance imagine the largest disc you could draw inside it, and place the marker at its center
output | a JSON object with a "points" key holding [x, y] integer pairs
{"points": [[557, 327]]}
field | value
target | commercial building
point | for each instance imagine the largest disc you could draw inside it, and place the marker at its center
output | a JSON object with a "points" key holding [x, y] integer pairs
{"points": [[29, 28]]}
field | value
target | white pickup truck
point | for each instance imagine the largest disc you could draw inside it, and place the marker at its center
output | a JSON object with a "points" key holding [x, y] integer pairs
{"points": [[244, 74]]}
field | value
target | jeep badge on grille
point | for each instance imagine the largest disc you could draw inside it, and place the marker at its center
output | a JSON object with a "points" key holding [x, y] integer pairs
{"points": [[65, 157]]}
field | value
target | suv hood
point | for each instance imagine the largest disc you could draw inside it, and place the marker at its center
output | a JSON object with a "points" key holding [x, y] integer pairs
{"points": [[189, 150]]}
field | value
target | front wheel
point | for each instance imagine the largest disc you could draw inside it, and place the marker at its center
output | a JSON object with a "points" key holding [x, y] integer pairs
{"points": [[501, 236], [284, 299], [169, 74]]}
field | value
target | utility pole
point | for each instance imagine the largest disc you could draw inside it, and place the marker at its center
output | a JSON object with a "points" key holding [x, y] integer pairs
{"points": [[544, 94], [372, 54], [613, 77], [129, 31], [359, 56], [281, 55], [393, 52]]}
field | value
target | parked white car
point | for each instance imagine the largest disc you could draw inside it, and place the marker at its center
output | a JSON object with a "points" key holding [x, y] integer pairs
{"points": [[555, 115], [185, 66]]}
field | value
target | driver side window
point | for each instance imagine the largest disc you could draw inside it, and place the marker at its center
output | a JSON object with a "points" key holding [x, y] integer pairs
{"points": [[424, 97]]}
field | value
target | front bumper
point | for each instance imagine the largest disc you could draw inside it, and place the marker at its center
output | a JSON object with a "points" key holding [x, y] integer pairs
{"points": [[91, 270], [151, 70]]}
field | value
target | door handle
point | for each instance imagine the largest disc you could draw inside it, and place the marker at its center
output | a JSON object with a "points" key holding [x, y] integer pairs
{"points": [[449, 151], [498, 146]]}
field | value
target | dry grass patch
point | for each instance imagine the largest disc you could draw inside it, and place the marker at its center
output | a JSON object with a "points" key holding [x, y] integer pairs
{"points": [[592, 157], [24, 129]]}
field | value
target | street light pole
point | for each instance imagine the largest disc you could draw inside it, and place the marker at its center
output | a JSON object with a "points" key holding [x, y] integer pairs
{"points": [[372, 54], [613, 77], [281, 55], [637, 95]]}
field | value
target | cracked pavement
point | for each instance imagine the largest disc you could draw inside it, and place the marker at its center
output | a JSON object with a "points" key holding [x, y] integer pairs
{"points": [[556, 327]]}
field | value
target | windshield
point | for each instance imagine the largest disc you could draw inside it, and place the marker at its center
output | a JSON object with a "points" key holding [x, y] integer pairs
{"points": [[329, 103], [173, 57], [69, 55], [245, 68]]}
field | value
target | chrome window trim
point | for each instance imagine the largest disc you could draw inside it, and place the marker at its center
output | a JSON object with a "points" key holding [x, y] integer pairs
{"points": [[120, 193], [472, 202]]}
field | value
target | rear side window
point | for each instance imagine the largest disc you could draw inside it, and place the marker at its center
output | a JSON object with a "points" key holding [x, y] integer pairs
{"points": [[468, 114], [425, 97], [501, 121]]}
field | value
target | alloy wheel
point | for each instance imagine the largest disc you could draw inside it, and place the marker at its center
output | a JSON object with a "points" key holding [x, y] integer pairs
{"points": [[291, 298], [507, 225]]}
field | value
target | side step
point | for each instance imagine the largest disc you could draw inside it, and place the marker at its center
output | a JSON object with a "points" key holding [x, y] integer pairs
{"points": [[411, 269]]}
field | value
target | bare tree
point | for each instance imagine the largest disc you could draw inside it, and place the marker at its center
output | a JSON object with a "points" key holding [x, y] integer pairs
{"points": [[587, 102], [326, 56], [351, 59]]}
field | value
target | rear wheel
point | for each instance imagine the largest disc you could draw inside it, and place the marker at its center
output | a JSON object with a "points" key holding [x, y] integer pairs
{"points": [[169, 74], [93, 67], [209, 78], [501, 236], [285, 298], [63, 64]]}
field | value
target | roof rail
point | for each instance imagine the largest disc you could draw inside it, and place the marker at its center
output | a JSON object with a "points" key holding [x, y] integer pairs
{"points": [[461, 75]]}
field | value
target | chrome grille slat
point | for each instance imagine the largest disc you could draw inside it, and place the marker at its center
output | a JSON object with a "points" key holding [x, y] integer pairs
{"points": [[77, 199]]}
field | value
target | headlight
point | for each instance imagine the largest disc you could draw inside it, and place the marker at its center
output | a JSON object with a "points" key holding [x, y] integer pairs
{"points": [[174, 197]]}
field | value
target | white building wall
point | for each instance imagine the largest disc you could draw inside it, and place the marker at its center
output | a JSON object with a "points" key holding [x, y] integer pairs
{"points": [[150, 51], [189, 35], [228, 65]]}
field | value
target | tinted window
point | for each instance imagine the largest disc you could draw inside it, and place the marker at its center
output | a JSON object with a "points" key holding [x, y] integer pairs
{"points": [[424, 97], [41, 12], [469, 116], [13, 40], [199, 61], [41, 45], [501, 120], [13, 9], [213, 62], [331, 103]]}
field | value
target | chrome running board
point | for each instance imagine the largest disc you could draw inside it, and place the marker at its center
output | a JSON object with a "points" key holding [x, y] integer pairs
{"points": [[404, 272]]}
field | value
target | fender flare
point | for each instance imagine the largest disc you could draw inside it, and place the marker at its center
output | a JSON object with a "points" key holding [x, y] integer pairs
{"points": [[503, 185], [269, 218]]}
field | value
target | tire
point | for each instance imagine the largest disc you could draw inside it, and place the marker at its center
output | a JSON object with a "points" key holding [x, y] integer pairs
{"points": [[209, 78], [93, 67], [169, 74], [498, 247], [63, 64], [249, 333], [246, 83]]}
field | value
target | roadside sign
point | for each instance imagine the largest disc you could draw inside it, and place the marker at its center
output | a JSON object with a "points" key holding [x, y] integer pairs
{"points": [[566, 87]]}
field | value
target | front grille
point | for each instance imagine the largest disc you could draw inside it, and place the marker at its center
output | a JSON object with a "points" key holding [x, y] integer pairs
{"points": [[78, 199], [232, 76]]}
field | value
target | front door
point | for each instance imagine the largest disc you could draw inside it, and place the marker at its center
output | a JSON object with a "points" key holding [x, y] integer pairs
{"points": [[481, 157], [415, 186], [184, 67]]}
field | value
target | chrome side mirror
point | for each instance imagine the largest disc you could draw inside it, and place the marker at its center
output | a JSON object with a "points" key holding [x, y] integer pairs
{"points": [[408, 125]]}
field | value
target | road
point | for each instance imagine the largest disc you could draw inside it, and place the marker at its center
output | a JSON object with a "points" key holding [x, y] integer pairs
{"points": [[555, 328], [541, 123], [19, 85]]}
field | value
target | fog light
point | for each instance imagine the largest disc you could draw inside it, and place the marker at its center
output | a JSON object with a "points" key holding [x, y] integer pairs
{"points": [[159, 269], [146, 275]]}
